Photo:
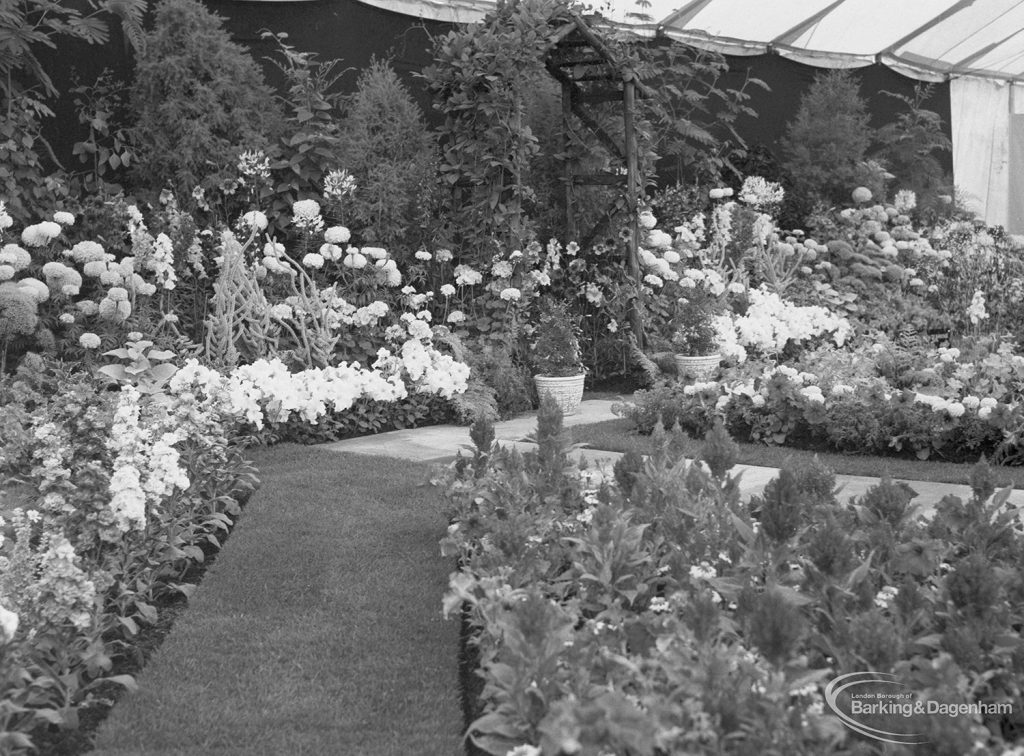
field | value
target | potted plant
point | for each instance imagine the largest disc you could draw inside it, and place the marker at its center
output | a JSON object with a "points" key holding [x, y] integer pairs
{"points": [[556, 359], [695, 341]]}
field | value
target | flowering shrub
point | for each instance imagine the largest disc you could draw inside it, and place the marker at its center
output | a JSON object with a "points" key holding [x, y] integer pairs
{"points": [[121, 494], [651, 612], [783, 405]]}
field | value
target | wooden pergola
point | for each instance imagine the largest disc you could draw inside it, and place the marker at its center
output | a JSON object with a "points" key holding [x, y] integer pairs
{"points": [[591, 74]]}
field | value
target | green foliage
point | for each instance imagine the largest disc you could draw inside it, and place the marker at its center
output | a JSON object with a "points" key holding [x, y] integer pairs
{"points": [[103, 108], [25, 184], [655, 610], [386, 146], [909, 146], [199, 99], [482, 82], [141, 366], [310, 142], [27, 25], [826, 142], [692, 330], [556, 347], [364, 418]]}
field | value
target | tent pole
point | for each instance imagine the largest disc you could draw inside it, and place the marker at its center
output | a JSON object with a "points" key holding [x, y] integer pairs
{"points": [[632, 198]]}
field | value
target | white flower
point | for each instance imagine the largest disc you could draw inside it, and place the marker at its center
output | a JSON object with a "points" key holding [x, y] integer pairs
{"points": [[976, 310], [256, 220], [502, 269], [337, 235], [273, 249], [330, 251], [511, 294], [653, 280], [422, 254], [647, 220], [66, 318], [354, 260], [447, 290], [971, 402], [9, 626], [736, 288], [466, 276], [671, 257], [659, 239], [64, 218], [702, 571], [758, 192], [375, 253], [89, 341], [524, 750], [40, 234], [338, 183], [905, 200], [306, 209], [884, 598], [955, 409], [456, 316], [443, 255], [281, 312], [659, 605]]}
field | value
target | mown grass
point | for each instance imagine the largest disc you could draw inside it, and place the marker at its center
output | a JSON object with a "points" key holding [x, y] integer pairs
{"points": [[618, 436], [317, 631]]}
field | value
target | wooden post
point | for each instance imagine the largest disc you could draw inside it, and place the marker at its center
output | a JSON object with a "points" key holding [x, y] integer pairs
{"points": [[632, 197], [570, 210]]}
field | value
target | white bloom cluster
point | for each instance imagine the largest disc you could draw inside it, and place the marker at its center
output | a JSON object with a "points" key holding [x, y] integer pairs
{"points": [[40, 234], [266, 391], [939, 404], [758, 192], [771, 322], [466, 276], [976, 310]]}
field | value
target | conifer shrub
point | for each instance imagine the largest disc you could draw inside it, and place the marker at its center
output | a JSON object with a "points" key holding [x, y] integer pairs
{"points": [[826, 143], [199, 100], [386, 146]]}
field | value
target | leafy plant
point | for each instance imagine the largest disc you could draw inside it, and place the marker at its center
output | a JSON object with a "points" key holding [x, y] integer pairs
{"points": [[103, 108], [909, 147], [142, 366], [693, 332], [556, 347], [825, 142], [310, 142], [386, 145], [199, 99]]}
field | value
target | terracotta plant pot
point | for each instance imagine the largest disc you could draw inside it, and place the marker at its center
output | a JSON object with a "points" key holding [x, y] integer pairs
{"points": [[697, 368], [567, 391]]}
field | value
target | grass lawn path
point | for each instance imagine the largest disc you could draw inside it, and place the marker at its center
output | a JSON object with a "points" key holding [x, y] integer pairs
{"points": [[318, 629]]}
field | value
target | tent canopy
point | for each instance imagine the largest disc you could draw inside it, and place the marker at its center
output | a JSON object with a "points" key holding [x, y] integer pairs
{"points": [[923, 39]]}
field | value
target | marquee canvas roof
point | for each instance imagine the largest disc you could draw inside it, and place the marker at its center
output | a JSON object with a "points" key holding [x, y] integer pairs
{"points": [[923, 39]]}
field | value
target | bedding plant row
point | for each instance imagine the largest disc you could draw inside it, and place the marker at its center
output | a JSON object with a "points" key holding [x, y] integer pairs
{"points": [[651, 611]]}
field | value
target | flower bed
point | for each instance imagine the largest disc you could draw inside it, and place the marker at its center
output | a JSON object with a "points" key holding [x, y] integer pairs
{"points": [[940, 406], [653, 613]]}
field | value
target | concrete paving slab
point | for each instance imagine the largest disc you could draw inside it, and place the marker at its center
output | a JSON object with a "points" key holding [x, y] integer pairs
{"points": [[441, 443]]}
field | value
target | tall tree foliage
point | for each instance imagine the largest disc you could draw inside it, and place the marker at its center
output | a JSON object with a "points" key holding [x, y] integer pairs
{"points": [[199, 100]]}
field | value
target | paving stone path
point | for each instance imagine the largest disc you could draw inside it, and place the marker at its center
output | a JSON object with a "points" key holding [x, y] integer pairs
{"points": [[442, 442]]}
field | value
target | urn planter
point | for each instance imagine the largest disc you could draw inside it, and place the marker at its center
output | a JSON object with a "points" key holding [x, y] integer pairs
{"points": [[567, 391], [700, 368]]}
